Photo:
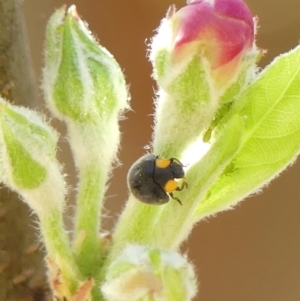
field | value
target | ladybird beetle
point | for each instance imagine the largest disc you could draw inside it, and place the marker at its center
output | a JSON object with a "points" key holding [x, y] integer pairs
{"points": [[151, 179]]}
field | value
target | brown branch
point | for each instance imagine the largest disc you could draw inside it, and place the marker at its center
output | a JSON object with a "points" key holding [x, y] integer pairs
{"points": [[22, 274]]}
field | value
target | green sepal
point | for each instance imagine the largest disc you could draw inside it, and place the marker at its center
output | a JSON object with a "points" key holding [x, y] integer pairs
{"points": [[27, 143], [184, 110], [26, 172]]}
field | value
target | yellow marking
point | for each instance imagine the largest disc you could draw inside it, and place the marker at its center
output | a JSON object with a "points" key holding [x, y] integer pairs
{"points": [[170, 186], [162, 163]]}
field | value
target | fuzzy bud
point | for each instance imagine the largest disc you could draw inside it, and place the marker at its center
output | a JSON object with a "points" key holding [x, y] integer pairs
{"points": [[218, 34], [84, 86], [144, 273], [28, 158], [203, 55], [82, 81]]}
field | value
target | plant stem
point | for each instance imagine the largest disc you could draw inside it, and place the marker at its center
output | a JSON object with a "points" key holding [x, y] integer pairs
{"points": [[87, 241], [57, 244], [168, 225]]}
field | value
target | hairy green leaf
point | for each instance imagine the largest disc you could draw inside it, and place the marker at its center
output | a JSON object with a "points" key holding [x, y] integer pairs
{"points": [[271, 140]]}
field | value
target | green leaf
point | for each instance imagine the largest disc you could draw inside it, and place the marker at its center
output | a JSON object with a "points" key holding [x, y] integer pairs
{"points": [[271, 140]]}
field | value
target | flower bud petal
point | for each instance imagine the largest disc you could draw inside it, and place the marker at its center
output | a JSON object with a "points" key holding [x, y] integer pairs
{"points": [[219, 32]]}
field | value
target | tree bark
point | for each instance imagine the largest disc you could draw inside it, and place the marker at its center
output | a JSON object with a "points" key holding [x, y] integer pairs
{"points": [[22, 272]]}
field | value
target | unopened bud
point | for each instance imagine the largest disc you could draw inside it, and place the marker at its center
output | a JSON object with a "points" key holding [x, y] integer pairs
{"points": [[144, 273]]}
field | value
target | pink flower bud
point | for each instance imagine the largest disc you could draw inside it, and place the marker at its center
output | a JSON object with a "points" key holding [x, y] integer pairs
{"points": [[222, 31]]}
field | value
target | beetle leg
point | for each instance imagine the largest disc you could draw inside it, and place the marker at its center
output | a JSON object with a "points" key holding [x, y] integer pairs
{"points": [[183, 185], [174, 198]]}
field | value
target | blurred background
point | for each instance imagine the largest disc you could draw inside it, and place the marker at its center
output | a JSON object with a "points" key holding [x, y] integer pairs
{"points": [[251, 253]]}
